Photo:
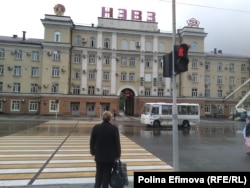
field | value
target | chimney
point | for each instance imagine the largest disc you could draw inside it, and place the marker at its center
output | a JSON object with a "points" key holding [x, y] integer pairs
{"points": [[219, 51], [24, 32], [14, 36], [215, 50]]}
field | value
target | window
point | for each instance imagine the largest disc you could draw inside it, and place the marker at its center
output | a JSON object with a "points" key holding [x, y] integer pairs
{"points": [[105, 91], [132, 45], [124, 45], [106, 75], [243, 79], [57, 37], [131, 76], [162, 47], [207, 109], [132, 62], [17, 70], [194, 92], [91, 90], [123, 76], [160, 92], [124, 62], [160, 78], [78, 40], [219, 80], [91, 59], [15, 105], [16, 87], [77, 58], [147, 77], [54, 106], [92, 42], [194, 63], [219, 67], [34, 72], [34, 88], [77, 74], [18, 54], [1, 69], [207, 79], [106, 60], [56, 56], [76, 90], [35, 56], [91, 75], [207, 65], [55, 71], [207, 93], [231, 80], [243, 68], [231, 67], [148, 46], [194, 47], [106, 43], [147, 91], [2, 53], [148, 62], [243, 93], [160, 64], [219, 93], [54, 88], [33, 106], [194, 78]]}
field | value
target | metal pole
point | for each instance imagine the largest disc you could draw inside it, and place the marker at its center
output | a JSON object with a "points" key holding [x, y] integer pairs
{"points": [[175, 119], [57, 105]]}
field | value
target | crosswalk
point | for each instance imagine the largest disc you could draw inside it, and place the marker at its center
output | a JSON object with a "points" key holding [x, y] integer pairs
{"points": [[39, 159]]}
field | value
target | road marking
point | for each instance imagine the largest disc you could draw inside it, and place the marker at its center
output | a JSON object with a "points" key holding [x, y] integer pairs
{"points": [[21, 157]]}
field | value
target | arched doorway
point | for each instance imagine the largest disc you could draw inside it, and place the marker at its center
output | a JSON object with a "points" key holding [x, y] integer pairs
{"points": [[127, 101]]}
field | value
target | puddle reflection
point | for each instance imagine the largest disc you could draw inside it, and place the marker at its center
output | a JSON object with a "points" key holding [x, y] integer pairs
{"points": [[131, 129]]}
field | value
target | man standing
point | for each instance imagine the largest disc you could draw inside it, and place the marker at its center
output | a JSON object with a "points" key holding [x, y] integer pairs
{"points": [[106, 147]]}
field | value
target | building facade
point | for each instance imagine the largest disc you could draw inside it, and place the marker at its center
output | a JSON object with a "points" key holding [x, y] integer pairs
{"points": [[116, 65]]}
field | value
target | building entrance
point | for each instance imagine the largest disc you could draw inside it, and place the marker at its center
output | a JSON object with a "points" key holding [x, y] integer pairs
{"points": [[127, 102]]}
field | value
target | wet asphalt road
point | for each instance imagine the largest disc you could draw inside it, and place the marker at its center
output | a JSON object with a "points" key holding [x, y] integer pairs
{"points": [[213, 145]]}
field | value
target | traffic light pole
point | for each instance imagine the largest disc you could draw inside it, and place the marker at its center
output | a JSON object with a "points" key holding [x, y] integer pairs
{"points": [[175, 119]]}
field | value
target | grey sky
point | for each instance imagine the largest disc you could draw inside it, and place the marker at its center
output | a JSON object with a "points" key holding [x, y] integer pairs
{"points": [[227, 28]]}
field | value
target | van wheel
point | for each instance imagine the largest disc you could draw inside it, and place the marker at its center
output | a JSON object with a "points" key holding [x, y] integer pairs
{"points": [[185, 124], [156, 124]]}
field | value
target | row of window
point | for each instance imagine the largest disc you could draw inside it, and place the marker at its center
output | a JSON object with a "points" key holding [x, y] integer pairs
{"points": [[33, 106], [54, 106], [124, 60], [230, 67], [18, 54], [125, 44], [208, 92], [34, 88], [194, 78]]}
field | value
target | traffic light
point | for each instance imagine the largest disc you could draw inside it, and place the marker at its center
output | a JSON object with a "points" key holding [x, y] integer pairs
{"points": [[181, 58], [167, 65]]}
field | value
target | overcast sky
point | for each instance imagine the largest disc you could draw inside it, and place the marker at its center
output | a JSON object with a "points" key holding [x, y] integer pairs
{"points": [[227, 22]]}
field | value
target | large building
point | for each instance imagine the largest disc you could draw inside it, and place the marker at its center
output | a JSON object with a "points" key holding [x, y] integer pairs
{"points": [[114, 65]]}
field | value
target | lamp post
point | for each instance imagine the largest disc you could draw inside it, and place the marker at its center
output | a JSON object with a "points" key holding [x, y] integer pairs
{"points": [[175, 118]]}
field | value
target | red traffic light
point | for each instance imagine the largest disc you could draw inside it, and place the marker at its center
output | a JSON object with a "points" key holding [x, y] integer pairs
{"points": [[182, 50], [181, 58]]}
